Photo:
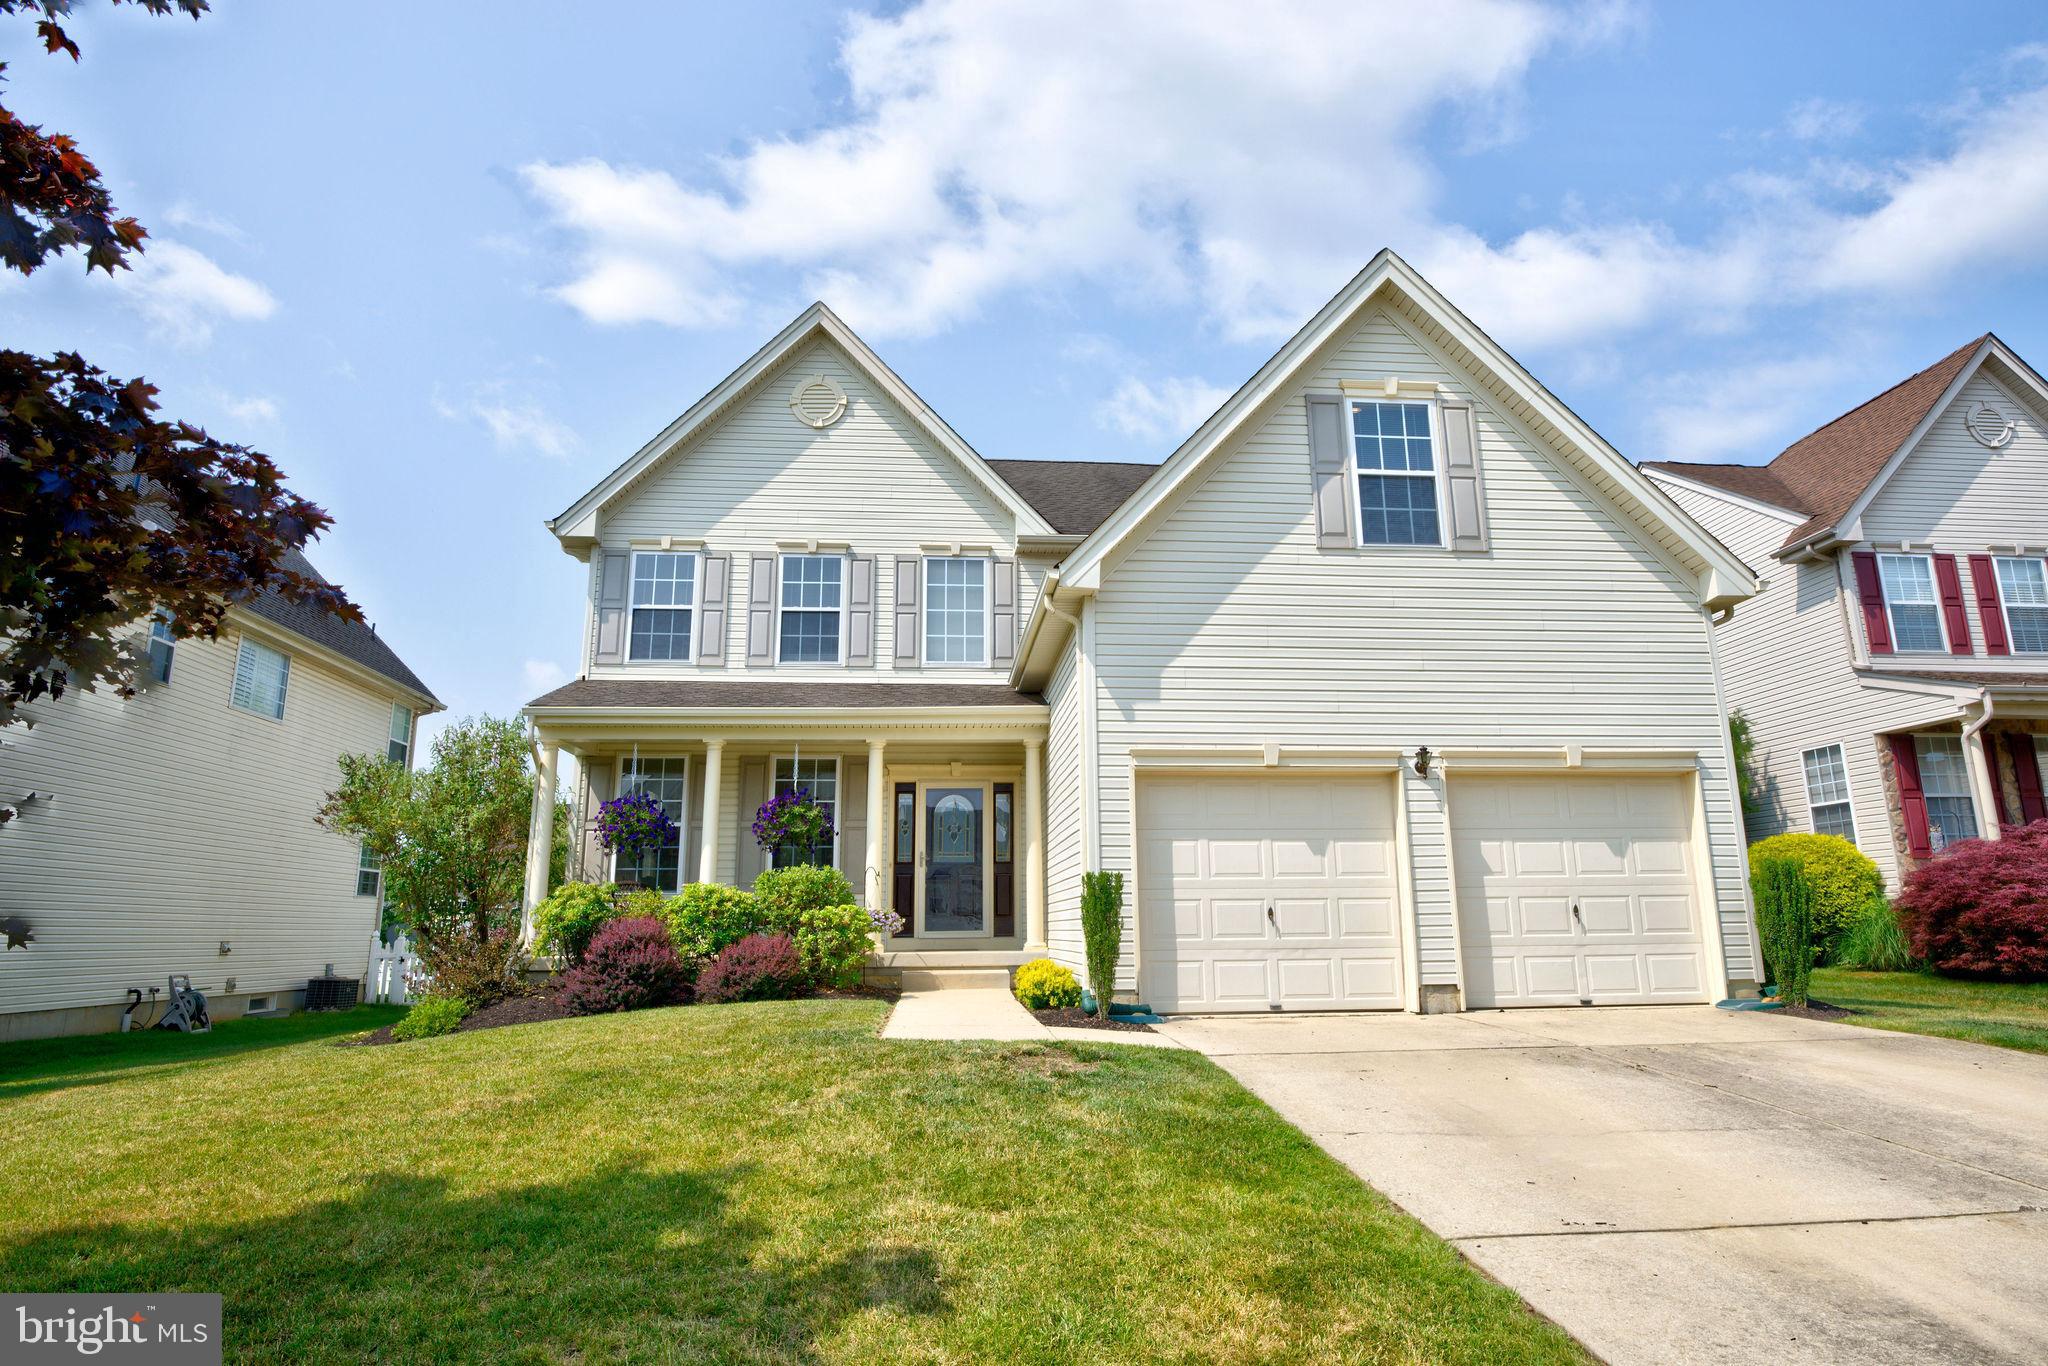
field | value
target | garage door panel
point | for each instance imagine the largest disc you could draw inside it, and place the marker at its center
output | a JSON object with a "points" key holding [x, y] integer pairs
{"points": [[1187, 920], [1669, 914], [1531, 858], [1540, 917], [1237, 919], [1243, 859], [1240, 981], [1674, 974], [1608, 915], [1299, 919], [1303, 980], [1372, 980], [1660, 858], [1601, 858], [1366, 917]]}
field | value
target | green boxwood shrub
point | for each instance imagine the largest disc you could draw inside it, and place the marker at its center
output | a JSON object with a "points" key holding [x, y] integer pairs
{"points": [[832, 942], [707, 916], [785, 894], [430, 1016], [1045, 985], [1843, 880], [565, 923]]}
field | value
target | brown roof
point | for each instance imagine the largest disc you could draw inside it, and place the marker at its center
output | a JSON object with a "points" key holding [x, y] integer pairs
{"points": [[1745, 481], [744, 692], [1075, 496], [1826, 471]]}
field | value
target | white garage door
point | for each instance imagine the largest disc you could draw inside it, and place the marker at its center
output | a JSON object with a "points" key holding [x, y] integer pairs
{"points": [[1576, 889], [1268, 893]]}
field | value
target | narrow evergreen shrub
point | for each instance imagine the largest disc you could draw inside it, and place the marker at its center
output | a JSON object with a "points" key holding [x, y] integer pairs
{"points": [[784, 894], [761, 967], [1981, 908], [1842, 877], [631, 965], [706, 916], [1045, 985], [1876, 942], [1784, 921], [1102, 927], [573, 913], [431, 1016]]}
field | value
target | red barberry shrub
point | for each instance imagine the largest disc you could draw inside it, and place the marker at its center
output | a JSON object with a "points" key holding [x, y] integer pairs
{"points": [[1981, 908], [629, 965], [761, 967]]}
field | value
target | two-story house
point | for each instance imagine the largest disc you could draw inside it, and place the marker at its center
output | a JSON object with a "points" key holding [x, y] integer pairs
{"points": [[1392, 687], [1894, 671], [173, 832]]}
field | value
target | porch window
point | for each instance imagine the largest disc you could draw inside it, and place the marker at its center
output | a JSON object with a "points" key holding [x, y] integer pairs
{"points": [[820, 777], [1827, 792], [664, 605], [668, 782], [1945, 782], [813, 597], [956, 611], [1910, 600], [2023, 587]]}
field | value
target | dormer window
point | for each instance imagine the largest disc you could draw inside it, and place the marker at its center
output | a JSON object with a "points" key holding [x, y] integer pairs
{"points": [[664, 605], [1394, 450], [1911, 603]]}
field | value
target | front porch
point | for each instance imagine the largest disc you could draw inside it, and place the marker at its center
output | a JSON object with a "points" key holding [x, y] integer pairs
{"points": [[1970, 776], [938, 810]]}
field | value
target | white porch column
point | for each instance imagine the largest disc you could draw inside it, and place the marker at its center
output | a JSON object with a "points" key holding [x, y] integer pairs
{"points": [[881, 827], [1983, 788], [540, 836], [1034, 846], [714, 806]]}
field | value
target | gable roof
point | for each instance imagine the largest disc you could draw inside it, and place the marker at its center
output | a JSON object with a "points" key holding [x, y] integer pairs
{"points": [[1754, 482], [1074, 496], [576, 522], [357, 642], [1723, 578]]}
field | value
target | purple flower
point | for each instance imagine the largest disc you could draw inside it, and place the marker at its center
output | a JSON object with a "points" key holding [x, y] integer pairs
{"points": [[633, 823]]}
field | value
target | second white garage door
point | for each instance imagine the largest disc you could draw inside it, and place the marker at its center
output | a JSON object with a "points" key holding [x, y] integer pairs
{"points": [[1268, 893], [1576, 889]]}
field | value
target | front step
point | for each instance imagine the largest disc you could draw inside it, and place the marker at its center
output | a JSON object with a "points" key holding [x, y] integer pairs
{"points": [[953, 979]]}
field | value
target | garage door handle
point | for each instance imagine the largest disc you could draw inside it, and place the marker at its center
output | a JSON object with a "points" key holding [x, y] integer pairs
{"points": [[1576, 916], [1269, 917]]}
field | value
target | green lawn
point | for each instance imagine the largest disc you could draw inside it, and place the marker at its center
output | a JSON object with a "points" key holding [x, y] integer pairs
{"points": [[750, 1183], [1921, 1003]]}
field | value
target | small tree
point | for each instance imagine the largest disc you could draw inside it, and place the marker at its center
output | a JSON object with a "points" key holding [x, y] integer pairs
{"points": [[1102, 927], [1784, 920]]}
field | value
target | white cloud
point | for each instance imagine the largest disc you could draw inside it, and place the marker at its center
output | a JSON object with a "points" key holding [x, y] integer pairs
{"points": [[186, 214], [543, 675], [1744, 410], [184, 294], [1824, 120], [1171, 408], [515, 422], [254, 408]]}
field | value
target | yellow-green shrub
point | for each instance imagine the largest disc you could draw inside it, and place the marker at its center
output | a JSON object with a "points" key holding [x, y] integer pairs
{"points": [[1044, 985], [430, 1016], [1844, 881]]}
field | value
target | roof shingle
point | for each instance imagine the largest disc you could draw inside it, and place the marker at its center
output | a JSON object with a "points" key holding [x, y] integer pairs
{"points": [[357, 642], [1075, 496]]}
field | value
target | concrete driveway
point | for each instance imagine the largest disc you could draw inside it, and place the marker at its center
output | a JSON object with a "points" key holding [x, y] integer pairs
{"points": [[1687, 1184]]}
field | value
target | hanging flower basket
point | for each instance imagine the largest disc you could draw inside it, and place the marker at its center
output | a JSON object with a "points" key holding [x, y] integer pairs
{"points": [[633, 825], [793, 821]]}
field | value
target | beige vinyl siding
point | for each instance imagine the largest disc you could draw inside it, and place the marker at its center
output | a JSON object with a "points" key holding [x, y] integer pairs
{"points": [[1227, 625], [1786, 664], [872, 482], [1063, 812], [173, 821]]}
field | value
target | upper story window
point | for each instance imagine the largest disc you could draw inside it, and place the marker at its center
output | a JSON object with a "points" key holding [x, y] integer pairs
{"points": [[1394, 449], [2023, 588], [956, 611], [369, 873], [664, 605], [401, 733], [1910, 602], [813, 607], [1945, 783], [261, 675], [162, 645], [1827, 792]]}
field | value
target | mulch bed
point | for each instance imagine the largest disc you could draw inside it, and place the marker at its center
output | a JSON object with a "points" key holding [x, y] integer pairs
{"points": [[542, 1005], [1073, 1017], [1816, 1010]]}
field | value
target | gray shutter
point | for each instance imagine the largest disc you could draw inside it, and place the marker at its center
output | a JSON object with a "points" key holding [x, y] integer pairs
{"points": [[1336, 497], [711, 609], [1003, 640], [1461, 465], [749, 858], [860, 611], [909, 639], [611, 609], [761, 609]]}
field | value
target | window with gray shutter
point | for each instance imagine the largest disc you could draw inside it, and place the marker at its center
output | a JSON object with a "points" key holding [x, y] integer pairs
{"points": [[1330, 473], [909, 631], [711, 629], [860, 612], [1466, 493], [761, 611], [1003, 618], [611, 609]]}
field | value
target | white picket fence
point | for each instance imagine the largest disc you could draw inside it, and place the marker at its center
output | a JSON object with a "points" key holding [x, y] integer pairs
{"points": [[397, 976]]}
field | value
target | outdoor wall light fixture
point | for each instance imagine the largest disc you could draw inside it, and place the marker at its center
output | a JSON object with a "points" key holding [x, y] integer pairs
{"points": [[1422, 758]]}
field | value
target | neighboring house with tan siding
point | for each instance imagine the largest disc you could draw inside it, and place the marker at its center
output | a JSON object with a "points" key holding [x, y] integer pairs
{"points": [[172, 831], [1392, 688], [1894, 671]]}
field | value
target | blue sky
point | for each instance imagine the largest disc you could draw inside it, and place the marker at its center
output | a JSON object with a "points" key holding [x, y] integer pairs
{"points": [[450, 263]]}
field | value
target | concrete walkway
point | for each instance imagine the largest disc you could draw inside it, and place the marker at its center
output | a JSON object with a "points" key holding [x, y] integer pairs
{"points": [[1685, 1184], [990, 1013]]}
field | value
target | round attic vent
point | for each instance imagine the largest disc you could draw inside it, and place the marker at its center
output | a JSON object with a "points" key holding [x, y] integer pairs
{"points": [[1991, 427], [817, 402]]}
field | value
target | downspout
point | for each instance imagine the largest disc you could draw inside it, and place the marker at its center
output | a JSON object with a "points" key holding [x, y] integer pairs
{"points": [[1984, 767]]}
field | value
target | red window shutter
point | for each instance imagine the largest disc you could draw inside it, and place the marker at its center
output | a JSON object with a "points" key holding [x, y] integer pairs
{"points": [[1877, 628], [1912, 801], [2033, 806], [1990, 613], [1950, 585]]}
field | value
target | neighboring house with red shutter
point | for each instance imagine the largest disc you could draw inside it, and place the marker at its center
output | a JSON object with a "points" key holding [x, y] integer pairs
{"points": [[1393, 687], [1895, 669]]}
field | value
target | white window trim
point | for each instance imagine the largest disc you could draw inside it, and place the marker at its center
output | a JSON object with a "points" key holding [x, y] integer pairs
{"points": [[1934, 585], [362, 853], [619, 770], [1848, 799], [411, 723], [782, 559], [284, 691], [160, 634], [696, 612], [988, 613], [838, 800], [1439, 475], [1998, 562], [1969, 792]]}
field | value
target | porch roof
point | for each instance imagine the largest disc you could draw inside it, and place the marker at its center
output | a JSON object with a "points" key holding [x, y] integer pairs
{"points": [[748, 694]]}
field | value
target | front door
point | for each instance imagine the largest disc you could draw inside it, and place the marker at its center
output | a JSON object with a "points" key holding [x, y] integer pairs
{"points": [[954, 885]]}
